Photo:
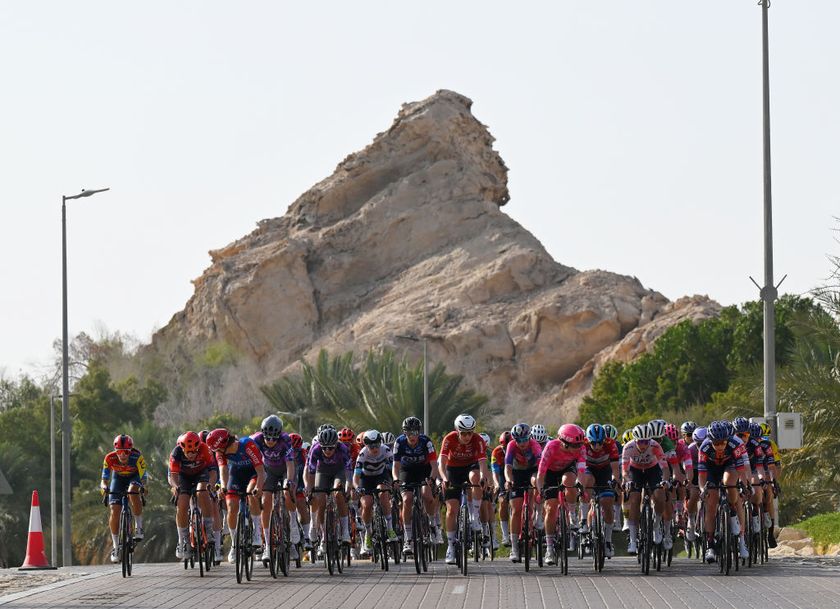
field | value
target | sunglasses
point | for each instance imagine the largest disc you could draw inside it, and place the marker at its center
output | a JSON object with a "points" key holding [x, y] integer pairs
{"points": [[465, 433], [412, 434], [645, 442], [718, 442], [328, 448], [123, 451], [743, 435], [573, 445]]}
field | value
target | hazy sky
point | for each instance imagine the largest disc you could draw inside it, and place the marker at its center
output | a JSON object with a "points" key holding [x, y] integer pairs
{"points": [[632, 131]]}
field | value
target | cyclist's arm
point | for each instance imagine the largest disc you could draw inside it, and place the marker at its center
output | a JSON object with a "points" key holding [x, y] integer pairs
{"points": [[291, 472], [395, 469], [615, 471], [443, 461], [260, 477], [224, 474]]}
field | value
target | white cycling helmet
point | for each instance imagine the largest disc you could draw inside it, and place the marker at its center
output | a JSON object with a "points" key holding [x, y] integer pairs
{"points": [[539, 433], [388, 438], [486, 438], [657, 428], [642, 432], [465, 422]]}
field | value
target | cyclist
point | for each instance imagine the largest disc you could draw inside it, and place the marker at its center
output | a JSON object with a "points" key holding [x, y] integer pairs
{"points": [[299, 452], [328, 467], [682, 474], [497, 464], [373, 471], [756, 457], [278, 460], [643, 463], [626, 438], [612, 434], [213, 486], [415, 461], [720, 461], [388, 440], [771, 466], [602, 470], [693, 439], [191, 465], [522, 456], [123, 469], [562, 461], [463, 459], [540, 435], [241, 470], [659, 429], [486, 510]]}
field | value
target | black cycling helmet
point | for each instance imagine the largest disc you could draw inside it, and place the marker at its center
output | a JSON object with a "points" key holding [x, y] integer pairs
{"points": [[412, 424]]}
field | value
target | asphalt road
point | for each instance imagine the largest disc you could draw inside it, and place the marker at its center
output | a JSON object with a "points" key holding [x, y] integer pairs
{"points": [[781, 584]]}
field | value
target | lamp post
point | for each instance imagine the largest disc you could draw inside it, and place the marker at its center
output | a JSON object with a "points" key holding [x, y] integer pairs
{"points": [[299, 415], [66, 424], [425, 380]]}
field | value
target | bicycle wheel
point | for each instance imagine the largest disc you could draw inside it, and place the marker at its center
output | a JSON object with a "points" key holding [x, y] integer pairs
{"points": [[465, 537], [645, 537], [329, 533], [273, 544], [526, 536], [383, 540], [425, 541], [284, 556], [563, 540], [596, 539], [539, 542], [724, 555], [198, 540], [239, 548], [125, 550], [249, 550], [417, 537]]}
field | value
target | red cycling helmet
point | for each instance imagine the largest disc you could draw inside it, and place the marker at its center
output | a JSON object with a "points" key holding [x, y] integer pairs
{"points": [[504, 438], [671, 432], [571, 434], [218, 439], [123, 442], [346, 435], [297, 440], [189, 442]]}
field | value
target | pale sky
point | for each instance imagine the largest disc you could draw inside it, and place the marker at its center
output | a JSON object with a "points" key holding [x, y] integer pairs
{"points": [[632, 131]]}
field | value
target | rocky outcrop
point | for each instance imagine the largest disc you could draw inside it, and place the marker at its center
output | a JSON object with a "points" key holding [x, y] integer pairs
{"points": [[408, 237]]}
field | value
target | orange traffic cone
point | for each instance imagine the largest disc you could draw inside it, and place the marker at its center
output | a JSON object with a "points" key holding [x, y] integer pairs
{"points": [[36, 558]]}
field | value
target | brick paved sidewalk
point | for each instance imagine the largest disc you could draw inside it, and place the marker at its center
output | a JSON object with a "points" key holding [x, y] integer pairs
{"points": [[779, 585]]}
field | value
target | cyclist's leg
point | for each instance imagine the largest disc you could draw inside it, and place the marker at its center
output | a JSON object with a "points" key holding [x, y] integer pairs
{"points": [[182, 514], [136, 503], [571, 495], [341, 505], [475, 495], [118, 485], [256, 512]]}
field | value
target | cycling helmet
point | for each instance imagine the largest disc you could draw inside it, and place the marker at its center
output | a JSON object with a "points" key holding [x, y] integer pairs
{"points": [[412, 424], [688, 427], [611, 431], [642, 432], [657, 428], [671, 432], [328, 437], [388, 438], [520, 432], [741, 425], [123, 442], [719, 430], [486, 438], [755, 430], [189, 442], [699, 435], [570, 434], [203, 434], [360, 438], [271, 427], [297, 440], [539, 433], [373, 438], [595, 434], [306, 446], [323, 427], [765, 429], [627, 436], [218, 439], [346, 435], [465, 422], [315, 439], [505, 437]]}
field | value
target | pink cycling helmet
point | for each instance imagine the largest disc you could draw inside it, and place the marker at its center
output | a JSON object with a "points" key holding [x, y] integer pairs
{"points": [[571, 434], [671, 432]]}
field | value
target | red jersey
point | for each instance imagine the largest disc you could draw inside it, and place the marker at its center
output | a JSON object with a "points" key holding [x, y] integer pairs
{"points": [[180, 464], [603, 457], [461, 455], [354, 449]]}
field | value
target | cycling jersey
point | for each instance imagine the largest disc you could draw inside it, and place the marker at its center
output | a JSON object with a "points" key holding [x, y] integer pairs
{"points": [[368, 464], [277, 455], [422, 453], [497, 459], [767, 449], [754, 452], [134, 468], [633, 456], [601, 458], [318, 462], [730, 457], [523, 458], [683, 456], [556, 457], [462, 455], [247, 455], [299, 458], [202, 461], [354, 450]]}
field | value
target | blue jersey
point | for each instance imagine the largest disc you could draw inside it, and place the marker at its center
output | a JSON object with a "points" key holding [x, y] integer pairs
{"points": [[411, 456], [247, 456]]}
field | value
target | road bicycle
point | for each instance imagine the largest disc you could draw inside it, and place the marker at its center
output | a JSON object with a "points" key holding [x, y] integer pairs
{"points": [[465, 538], [279, 544], [596, 538], [383, 547], [243, 545], [421, 543], [562, 531], [127, 543], [332, 544], [531, 538], [201, 549]]}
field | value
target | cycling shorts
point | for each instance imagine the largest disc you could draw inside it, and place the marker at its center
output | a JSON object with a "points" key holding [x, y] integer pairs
{"points": [[327, 480], [119, 485], [239, 480], [651, 477], [187, 484], [602, 477], [274, 477], [368, 483], [458, 476], [555, 479], [415, 474], [521, 480]]}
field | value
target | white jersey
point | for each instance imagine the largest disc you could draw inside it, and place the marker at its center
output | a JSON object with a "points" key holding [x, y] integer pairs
{"points": [[368, 464]]}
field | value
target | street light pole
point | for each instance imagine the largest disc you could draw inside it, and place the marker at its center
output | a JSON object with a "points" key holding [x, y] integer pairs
{"points": [[53, 531], [425, 379], [66, 424]]}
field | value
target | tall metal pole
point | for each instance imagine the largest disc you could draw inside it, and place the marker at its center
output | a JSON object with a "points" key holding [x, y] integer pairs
{"points": [[66, 539], [53, 529], [769, 292], [425, 390]]}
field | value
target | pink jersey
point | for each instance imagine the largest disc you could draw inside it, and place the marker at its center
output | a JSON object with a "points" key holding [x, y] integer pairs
{"points": [[632, 456], [556, 457], [684, 456]]}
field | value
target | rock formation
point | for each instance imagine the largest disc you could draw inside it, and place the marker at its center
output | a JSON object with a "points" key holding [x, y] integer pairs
{"points": [[408, 237]]}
